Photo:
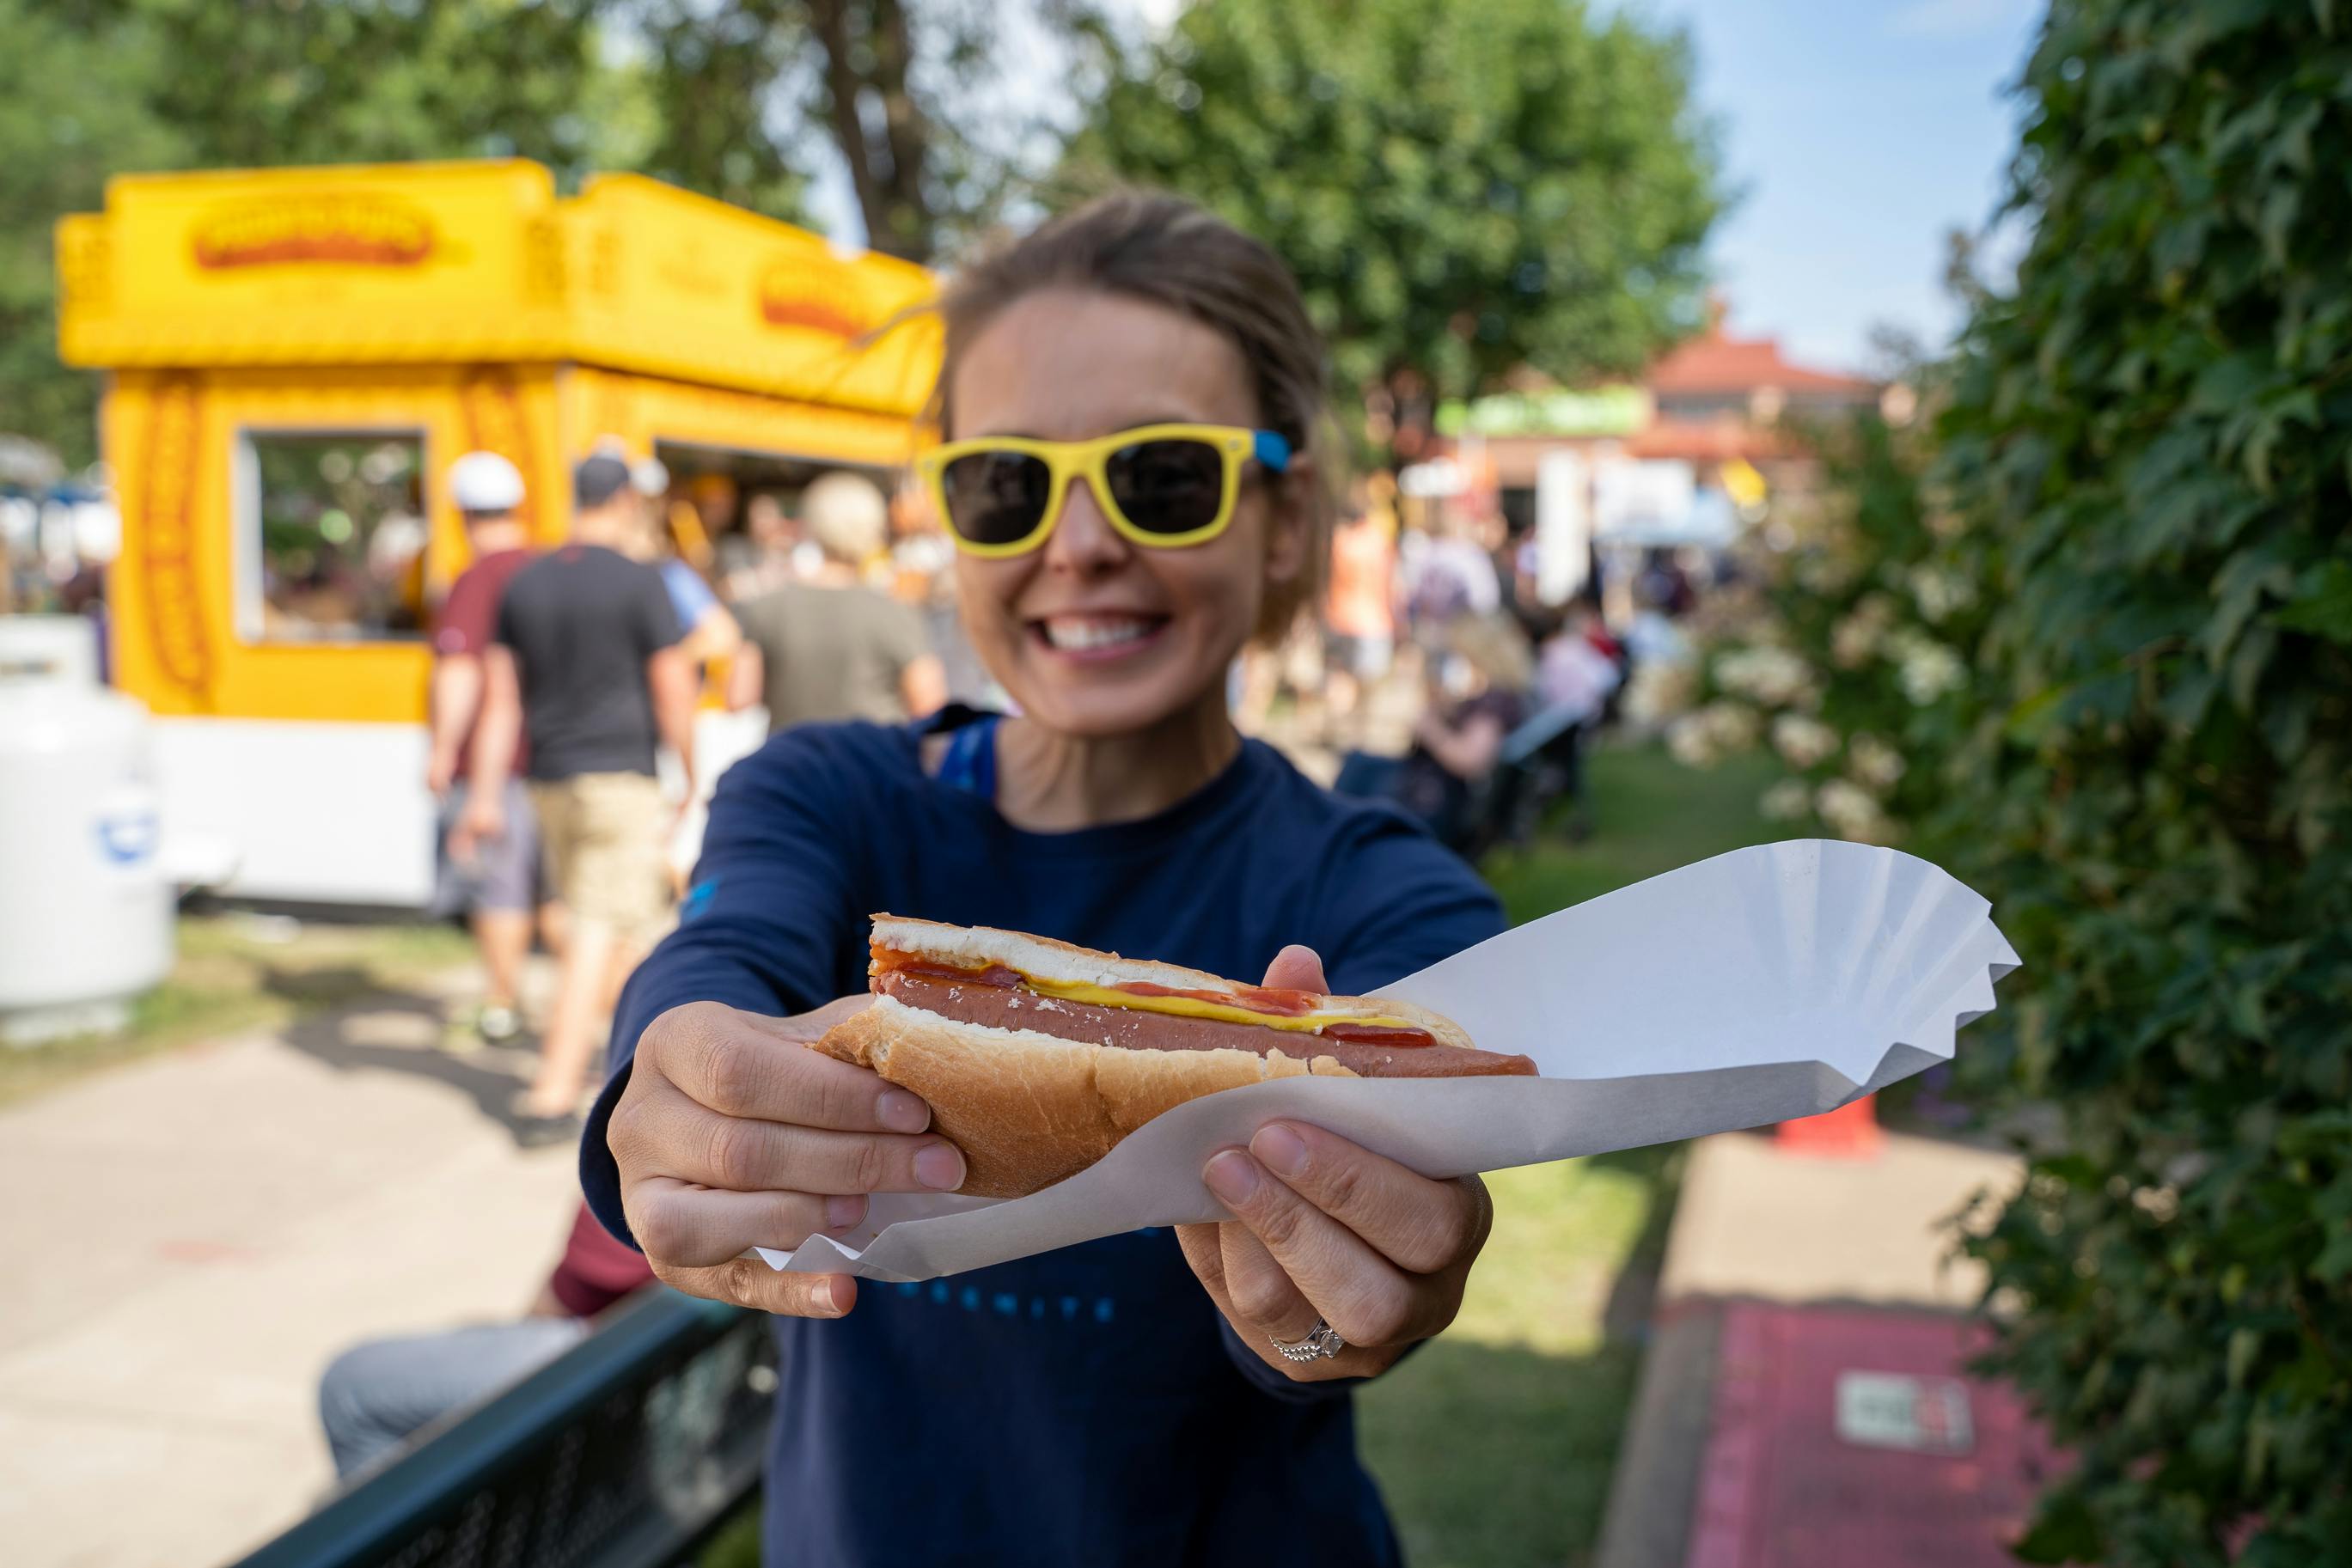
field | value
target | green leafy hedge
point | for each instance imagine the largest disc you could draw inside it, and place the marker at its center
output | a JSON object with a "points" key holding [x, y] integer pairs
{"points": [[2133, 501], [2149, 439]]}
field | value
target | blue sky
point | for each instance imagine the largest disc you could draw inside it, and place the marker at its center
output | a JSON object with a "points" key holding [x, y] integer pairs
{"points": [[1858, 133]]}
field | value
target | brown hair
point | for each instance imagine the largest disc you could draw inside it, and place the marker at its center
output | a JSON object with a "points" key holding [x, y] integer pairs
{"points": [[1152, 246]]}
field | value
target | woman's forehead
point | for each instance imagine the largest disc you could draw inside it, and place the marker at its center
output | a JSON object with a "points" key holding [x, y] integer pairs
{"points": [[1061, 365]]}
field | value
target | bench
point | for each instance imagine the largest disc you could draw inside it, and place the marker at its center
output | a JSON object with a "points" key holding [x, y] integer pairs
{"points": [[626, 1452]]}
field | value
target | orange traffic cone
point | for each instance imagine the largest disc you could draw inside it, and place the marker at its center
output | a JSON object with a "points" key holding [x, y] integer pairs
{"points": [[1849, 1133]]}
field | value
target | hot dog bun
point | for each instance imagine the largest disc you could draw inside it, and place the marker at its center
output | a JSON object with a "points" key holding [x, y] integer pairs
{"points": [[1028, 1109], [1032, 1106]]}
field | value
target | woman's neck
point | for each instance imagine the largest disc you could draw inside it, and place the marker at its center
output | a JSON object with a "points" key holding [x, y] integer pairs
{"points": [[1056, 783]]}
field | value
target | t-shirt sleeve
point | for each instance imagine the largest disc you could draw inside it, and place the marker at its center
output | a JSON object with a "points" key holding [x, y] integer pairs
{"points": [[468, 617], [657, 624], [690, 596], [595, 1269], [1397, 900], [768, 910]]}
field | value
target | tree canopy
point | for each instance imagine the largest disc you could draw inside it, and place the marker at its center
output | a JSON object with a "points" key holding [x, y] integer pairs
{"points": [[1463, 186]]}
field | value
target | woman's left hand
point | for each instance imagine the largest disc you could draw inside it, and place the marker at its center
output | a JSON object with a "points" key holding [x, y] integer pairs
{"points": [[1325, 1228]]}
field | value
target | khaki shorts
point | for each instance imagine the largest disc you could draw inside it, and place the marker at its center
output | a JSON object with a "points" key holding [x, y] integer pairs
{"points": [[603, 835]]}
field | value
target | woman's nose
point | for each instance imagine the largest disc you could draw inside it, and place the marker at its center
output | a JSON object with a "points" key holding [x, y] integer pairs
{"points": [[1083, 539]]}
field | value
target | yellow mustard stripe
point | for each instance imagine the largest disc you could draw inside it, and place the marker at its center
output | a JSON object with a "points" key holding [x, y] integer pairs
{"points": [[1191, 1007]]}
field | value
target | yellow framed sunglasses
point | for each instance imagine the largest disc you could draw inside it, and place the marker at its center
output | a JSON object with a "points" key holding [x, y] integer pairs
{"points": [[1161, 485]]}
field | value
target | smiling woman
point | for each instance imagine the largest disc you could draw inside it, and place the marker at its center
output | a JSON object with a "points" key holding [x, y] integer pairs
{"points": [[1130, 468]]}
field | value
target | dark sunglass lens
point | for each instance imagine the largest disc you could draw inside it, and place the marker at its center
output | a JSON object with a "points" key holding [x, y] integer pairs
{"points": [[997, 497], [1167, 486]]}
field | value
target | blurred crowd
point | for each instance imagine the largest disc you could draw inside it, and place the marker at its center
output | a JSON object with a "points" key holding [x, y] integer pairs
{"points": [[564, 677], [1439, 677]]}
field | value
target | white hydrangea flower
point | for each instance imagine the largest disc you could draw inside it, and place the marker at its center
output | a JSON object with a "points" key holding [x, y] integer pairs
{"points": [[1939, 593], [1848, 808], [1659, 691], [1689, 744], [1786, 802], [1732, 727], [1876, 763], [1774, 676], [1802, 741], [1927, 669]]}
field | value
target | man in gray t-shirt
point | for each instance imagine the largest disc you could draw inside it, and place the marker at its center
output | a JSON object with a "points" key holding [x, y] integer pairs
{"points": [[830, 648]]}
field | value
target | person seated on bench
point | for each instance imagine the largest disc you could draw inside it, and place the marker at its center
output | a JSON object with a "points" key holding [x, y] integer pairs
{"points": [[375, 1394], [1478, 695], [1580, 667]]}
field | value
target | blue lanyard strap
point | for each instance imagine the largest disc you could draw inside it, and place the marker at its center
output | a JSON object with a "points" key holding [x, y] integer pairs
{"points": [[969, 762]]}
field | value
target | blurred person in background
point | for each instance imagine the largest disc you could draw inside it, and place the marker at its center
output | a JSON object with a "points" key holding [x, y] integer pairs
{"points": [[1480, 692], [711, 633], [1580, 667], [833, 648], [375, 1395], [1447, 574], [767, 553], [711, 497], [495, 883], [587, 669], [1359, 612], [922, 562]]}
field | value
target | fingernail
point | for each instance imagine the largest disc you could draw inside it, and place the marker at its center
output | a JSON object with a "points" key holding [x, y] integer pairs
{"points": [[901, 1112], [839, 1292], [1284, 1151], [844, 1210], [938, 1165], [1232, 1175]]}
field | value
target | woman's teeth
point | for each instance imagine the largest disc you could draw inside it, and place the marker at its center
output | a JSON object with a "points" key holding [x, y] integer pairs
{"points": [[1075, 635]]}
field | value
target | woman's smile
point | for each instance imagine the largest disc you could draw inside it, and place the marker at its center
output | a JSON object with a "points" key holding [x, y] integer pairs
{"points": [[1100, 638]]}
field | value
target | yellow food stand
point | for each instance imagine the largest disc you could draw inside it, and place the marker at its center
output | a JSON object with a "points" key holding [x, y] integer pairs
{"points": [[297, 356]]}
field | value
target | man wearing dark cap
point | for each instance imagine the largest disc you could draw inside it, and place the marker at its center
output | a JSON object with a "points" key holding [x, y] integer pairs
{"points": [[587, 665]]}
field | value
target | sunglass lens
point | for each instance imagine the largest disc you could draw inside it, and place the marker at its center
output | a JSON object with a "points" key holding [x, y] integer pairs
{"points": [[997, 497], [1169, 487]]}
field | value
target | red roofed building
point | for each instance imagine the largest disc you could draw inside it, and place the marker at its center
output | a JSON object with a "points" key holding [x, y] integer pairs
{"points": [[1720, 397]]}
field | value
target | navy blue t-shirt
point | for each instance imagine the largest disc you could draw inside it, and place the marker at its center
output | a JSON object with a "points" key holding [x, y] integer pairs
{"points": [[1091, 1405]]}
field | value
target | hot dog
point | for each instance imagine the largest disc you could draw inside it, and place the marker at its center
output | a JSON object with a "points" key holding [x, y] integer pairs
{"points": [[1036, 1056]]}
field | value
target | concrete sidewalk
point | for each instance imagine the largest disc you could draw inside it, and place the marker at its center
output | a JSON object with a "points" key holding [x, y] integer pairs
{"points": [[1783, 1270], [189, 1239]]}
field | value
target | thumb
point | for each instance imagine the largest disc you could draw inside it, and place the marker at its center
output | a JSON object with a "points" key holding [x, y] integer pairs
{"points": [[1297, 968]]}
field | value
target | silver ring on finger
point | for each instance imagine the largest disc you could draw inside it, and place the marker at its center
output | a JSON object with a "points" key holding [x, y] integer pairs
{"points": [[1321, 1343]]}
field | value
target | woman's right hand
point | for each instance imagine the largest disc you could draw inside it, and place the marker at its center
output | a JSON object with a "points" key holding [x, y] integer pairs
{"points": [[732, 1134]]}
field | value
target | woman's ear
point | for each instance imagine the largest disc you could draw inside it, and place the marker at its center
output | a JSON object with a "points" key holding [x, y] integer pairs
{"points": [[1288, 529]]}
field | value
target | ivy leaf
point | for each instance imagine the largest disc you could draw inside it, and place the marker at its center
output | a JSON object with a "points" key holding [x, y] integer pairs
{"points": [[2322, 603], [2065, 1531]]}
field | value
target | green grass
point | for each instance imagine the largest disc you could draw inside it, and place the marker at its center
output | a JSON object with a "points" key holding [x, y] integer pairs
{"points": [[1650, 814], [234, 973], [1496, 1442]]}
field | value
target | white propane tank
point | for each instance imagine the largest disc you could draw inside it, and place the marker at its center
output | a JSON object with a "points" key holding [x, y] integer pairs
{"points": [[86, 914]]}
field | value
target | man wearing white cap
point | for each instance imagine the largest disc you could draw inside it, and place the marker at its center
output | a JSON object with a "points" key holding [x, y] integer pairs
{"points": [[496, 881]]}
